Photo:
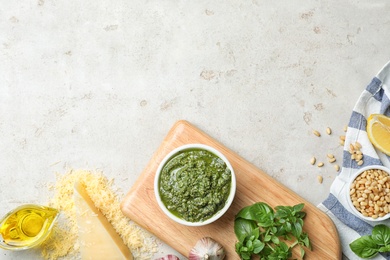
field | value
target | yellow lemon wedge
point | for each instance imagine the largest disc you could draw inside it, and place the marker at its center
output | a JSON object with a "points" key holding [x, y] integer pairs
{"points": [[378, 131]]}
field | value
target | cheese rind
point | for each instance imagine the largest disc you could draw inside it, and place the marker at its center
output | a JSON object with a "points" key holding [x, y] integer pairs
{"points": [[97, 238]]}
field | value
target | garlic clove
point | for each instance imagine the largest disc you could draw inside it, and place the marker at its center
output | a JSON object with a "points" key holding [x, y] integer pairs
{"points": [[168, 257], [207, 249]]}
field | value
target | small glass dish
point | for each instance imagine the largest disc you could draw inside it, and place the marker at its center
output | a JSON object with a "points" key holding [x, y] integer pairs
{"points": [[26, 226]]}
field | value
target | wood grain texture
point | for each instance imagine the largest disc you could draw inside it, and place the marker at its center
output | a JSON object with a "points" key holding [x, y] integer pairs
{"points": [[253, 185]]}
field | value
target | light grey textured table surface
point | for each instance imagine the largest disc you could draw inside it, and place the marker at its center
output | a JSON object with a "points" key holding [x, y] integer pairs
{"points": [[98, 84]]}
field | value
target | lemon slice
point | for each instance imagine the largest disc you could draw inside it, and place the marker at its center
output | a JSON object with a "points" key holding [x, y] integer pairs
{"points": [[378, 131]]}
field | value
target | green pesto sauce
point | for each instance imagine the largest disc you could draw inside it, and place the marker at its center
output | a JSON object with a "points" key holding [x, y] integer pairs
{"points": [[195, 184]]}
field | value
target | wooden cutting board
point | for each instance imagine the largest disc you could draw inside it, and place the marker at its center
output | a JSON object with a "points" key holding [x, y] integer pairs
{"points": [[253, 185]]}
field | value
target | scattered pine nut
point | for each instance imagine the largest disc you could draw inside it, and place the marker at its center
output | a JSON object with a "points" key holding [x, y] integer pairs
{"points": [[313, 160], [320, 164], [337, 167], [342, 137], [328, 130], [332, 160], [356, 153], [342, 142], [330, 156], [315, 132], [345, 128], [320, 178]]}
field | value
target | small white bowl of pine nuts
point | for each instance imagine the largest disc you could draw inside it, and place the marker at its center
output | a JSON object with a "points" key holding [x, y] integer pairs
{"points": [[369, 193]]}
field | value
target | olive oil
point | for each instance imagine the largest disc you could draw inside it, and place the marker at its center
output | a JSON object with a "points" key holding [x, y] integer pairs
{"points": [[26, 226]]}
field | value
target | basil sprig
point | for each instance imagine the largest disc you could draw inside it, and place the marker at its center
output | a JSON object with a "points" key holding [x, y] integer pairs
{"points": [[262, 231], [370, 245]]}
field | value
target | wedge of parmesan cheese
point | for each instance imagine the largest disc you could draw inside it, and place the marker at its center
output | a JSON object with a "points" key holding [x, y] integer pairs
{"points": [[97, 237]]}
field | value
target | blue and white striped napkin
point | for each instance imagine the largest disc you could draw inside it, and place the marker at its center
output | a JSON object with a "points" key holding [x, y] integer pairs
{"points": [[374, 99]]}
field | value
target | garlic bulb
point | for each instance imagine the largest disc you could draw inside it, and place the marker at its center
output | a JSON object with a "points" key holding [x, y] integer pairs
{"points": [[207, 249], [168, 257]]}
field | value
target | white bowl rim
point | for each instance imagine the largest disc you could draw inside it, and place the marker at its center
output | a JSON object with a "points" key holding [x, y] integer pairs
{"points": [[357, 173], [228, 201]]}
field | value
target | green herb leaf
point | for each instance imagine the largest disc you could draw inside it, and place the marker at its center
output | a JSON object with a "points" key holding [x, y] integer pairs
{"points": [[384, 249], [297, 229], [275, 240], [256, 211], [298, 207], [381, 235], [262, 214], [258, 246], [267, 238], [243, 228], [364, 247], [304, 240]]}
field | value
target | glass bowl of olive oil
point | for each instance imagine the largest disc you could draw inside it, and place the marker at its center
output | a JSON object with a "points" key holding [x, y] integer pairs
{"points": [[26, 226]]}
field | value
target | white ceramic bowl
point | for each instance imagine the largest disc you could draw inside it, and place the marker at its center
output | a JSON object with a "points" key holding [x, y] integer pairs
{"points": [[172, 154], [354, 210]]}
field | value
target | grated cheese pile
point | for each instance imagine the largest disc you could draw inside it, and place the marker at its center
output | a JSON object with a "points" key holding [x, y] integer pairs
{"points": [[63, 241]]}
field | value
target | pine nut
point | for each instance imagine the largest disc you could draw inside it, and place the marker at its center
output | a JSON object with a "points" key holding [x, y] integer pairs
{"points": [[345, 128], [328, 130], [337, 167], [320, 164], [330, 156], [332, 160], [342, 137], [313, 160], [319, 178], [315, 132], [360, 162]]}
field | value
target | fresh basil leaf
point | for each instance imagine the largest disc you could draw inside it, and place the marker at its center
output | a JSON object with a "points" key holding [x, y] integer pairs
{"points": [[245, 255], [304, 240], [281, 212], [281, 252], [249, 245], [274, 229], [384, 249], [256, 233], [300, 214], [299, 207], [267, 238], [364, 247], [238, 247], [254, 211], [243, 228], [302, 252], [244, 213], [381, 235], [297, 229], [275, 239], [287, 226], [258, 246], [262, 213]]}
